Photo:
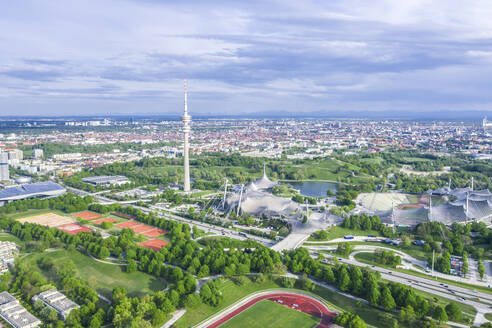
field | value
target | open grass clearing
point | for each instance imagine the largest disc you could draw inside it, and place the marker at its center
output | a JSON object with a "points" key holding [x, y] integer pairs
{"points": [[232, 293], [32, 212], [339, 232], [414, 251], [5, 236], [101, 276], [273, 315]]}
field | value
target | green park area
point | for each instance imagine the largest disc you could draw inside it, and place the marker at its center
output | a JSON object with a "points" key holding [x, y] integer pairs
{"points": [[32, 212], [270, 314], [339, 232], [233, 292], [4, 236], [101, 276]]}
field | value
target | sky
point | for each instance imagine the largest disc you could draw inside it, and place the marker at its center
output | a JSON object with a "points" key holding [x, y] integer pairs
{"points": [[130, 56]]}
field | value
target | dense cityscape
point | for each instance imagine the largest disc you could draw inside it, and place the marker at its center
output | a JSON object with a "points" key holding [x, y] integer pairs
{"points": [[335, 195], [260, 164]]}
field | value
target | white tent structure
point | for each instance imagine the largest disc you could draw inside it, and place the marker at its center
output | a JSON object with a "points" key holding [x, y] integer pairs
{"points": [[256, 199]]}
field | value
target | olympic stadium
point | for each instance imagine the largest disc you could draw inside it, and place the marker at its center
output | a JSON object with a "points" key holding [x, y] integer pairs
{"points": [[443, 205], [256, 199]]}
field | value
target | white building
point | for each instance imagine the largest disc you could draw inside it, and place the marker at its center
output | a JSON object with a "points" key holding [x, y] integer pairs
{"points": [[38, 153], [56, 300], [15, 314], [16, 155], [4, 167]]}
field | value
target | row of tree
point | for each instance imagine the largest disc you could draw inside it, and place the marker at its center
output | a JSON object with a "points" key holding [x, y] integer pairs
{"points": [[365, 283]]}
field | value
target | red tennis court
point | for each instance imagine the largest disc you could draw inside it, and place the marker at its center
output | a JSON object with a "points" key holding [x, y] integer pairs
{"points": [[142, 228], [127, 224], [73, 228], [155, 244], [87, 215], [154, 233], [104, 220]]}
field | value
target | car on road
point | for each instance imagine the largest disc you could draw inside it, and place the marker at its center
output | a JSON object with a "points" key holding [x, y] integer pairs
{"points": [[389, 272]]}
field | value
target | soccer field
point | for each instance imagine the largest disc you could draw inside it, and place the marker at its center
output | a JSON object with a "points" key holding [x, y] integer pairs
{"points": [[272, 315]]}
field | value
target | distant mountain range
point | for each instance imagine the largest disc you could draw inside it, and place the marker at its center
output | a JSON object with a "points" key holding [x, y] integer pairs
{"points": [[448, 115]]}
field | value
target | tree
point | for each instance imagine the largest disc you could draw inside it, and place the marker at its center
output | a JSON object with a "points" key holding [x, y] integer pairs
{"points": [[49, 314], [406, 242], [205, 292], [440, 314], [481, 269], [131, 266], [343, 279], [407, 314], [158, 317], [386, 299], [454, 311], [465, 263]]}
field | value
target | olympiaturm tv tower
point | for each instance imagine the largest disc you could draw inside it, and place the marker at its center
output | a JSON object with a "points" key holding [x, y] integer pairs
{"points": [[186, 129]]}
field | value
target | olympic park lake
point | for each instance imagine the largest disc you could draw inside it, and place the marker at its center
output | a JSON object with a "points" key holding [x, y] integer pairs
{"points": [[313, 188]]}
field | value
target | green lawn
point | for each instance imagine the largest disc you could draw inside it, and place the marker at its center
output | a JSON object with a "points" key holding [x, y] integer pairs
{"points": [[20, 215], [369, 259], [273, 315], [338, 232], [101, 276], [488, 316], [414, 251], [233, 293], [4, 236]]}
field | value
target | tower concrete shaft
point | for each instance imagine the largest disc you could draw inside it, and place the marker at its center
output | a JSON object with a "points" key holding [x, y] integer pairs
{"points": [[186, 148]]}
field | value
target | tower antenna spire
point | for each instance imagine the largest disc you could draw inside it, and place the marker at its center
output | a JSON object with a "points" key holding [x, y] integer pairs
{"points": [[185, 97], [186, 118]]}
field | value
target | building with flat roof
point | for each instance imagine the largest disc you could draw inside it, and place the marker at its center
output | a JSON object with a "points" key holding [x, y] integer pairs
{"points": [[106, 180], [44, 189], [15, 314], [56, 300], [8, 253], [4, 166]]}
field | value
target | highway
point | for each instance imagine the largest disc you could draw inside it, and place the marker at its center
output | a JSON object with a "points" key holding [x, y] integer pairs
{"points": [[479, 300], [208, 227], [201, 225]]}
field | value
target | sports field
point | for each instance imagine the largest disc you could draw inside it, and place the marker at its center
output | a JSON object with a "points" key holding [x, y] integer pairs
{"points": [[273, 315], [49, 219], [87, 215], [155, 244], [103, 277], [142, 229], [73, 228], [99, 221], [385, 201]]}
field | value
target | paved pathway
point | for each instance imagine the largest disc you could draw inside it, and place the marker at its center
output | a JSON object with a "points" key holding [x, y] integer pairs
{"points": [[175, 317]]}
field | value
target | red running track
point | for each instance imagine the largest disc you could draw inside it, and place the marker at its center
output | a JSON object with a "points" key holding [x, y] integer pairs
{"points": [[304, 304]]}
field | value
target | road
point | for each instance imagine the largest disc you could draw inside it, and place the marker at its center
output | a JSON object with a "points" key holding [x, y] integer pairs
{"points": [[210, 227], [460, 294], [471, 278], [204, 226]]}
